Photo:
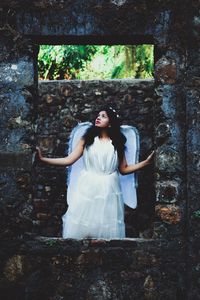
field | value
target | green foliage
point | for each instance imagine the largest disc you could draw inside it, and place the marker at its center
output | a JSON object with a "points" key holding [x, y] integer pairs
{"points": [[86, 62], [51, 242], [63, 62], [196, 213]]}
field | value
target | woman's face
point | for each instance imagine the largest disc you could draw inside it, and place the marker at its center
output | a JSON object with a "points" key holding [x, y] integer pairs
{"points": [[102, 120]]}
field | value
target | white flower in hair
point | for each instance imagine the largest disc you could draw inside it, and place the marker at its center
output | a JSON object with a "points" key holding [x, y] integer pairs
{"points": [[114, 111]]}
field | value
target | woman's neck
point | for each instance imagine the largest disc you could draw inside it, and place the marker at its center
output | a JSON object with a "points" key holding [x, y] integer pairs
{"points": [[103, 134]]}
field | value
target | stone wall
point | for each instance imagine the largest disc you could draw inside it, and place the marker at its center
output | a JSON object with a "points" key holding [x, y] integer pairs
{"points": [[92, 269], [173, 27], [18, 90], [192, 89]]}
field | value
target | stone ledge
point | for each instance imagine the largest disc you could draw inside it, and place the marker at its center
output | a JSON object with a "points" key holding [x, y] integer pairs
{"points": [[39, 244], [124, 80], [74, 269]]}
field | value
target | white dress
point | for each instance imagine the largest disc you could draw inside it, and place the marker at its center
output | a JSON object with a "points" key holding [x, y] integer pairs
{"points": [[96, 207]]}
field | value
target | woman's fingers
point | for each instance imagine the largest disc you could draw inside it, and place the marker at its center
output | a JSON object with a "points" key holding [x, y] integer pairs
{"points": [[150, 156], [152, 153], [38, 149]]}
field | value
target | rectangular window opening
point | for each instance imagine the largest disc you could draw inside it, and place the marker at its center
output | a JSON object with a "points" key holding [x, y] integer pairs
{"points": [[73, 83], [95, 62]]}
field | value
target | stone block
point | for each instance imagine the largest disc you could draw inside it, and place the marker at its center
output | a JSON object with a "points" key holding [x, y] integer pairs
{"points": [[168, 160], [170, 214], [167, 191], [21, 73], [90, 257], [40, 204], [15, 109], [8, 186], [16, 160], [16, 268], [162, 131], [166, 70], [43, 216]]}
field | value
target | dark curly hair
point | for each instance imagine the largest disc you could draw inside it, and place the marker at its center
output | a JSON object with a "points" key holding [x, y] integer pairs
{"points": [[114, 132]]}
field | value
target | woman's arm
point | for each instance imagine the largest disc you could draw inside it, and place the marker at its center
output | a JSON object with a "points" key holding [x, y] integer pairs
{"points": [[64, 161], [128, 169]]}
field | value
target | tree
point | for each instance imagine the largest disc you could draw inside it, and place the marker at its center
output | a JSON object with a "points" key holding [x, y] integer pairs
{"points": [[63, 62], [95, 62]]}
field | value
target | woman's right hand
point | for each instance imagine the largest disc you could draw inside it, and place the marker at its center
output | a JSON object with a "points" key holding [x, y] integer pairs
{"points": [[39, 153]]}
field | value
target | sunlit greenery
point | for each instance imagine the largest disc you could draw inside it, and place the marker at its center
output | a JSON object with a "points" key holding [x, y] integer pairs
{"points": [[95, 62]]}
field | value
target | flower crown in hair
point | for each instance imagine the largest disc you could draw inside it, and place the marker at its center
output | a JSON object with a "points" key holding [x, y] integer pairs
{"points": [[113, 110]]}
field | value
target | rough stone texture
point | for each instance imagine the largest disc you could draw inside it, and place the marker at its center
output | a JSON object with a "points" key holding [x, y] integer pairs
{"points": [[192, 89], [154, 270], [92, 269]]}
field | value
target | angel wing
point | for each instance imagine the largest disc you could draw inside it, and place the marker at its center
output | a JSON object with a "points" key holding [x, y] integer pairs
{"points": [[74, 170], [128, 182]]}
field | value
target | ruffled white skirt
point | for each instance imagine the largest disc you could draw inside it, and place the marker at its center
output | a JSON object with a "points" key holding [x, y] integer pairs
{"points": [[96, 208]]}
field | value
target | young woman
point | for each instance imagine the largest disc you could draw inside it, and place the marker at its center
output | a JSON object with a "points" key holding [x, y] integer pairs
{"points": [[96, 206]]}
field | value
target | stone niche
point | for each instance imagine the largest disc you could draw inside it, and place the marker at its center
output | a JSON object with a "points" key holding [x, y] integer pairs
{"points": [[61, 105]]}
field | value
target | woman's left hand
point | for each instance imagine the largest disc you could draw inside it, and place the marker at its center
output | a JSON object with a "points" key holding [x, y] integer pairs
{"points": [[150, 157]]}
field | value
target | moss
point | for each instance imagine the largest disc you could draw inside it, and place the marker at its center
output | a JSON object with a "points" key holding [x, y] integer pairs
{"points": [[196, 214], [16, 267]]}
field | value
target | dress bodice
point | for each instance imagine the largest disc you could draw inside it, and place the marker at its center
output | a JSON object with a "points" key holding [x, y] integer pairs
{"points": [[100, 157]]}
